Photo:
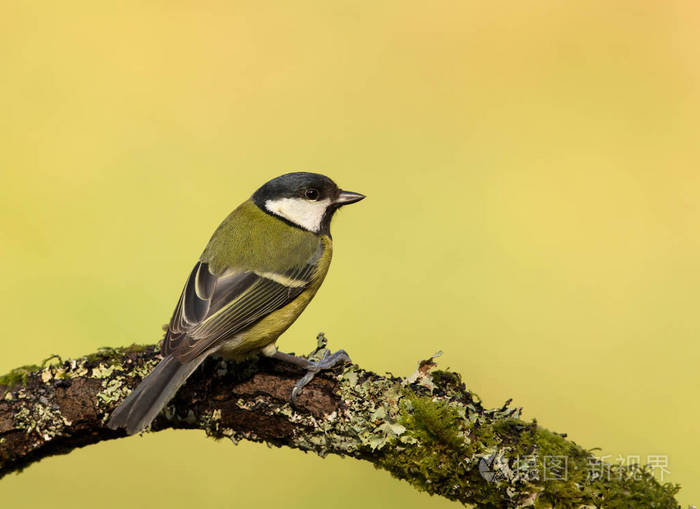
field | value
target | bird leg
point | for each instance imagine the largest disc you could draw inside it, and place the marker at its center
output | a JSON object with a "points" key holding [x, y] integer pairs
{"points": [[328, 360]]}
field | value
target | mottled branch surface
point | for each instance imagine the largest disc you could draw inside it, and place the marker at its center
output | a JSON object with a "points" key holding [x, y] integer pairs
{"points": [[427, 429]]}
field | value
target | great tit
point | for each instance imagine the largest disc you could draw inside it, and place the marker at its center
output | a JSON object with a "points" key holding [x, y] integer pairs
{"points": [[261, 268]]}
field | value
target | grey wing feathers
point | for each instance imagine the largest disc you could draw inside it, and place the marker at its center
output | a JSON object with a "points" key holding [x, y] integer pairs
{"points": [[204, 294], [214, 308]]}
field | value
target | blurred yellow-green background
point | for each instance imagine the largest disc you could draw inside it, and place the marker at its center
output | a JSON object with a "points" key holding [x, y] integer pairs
{"points": [[532, 171]]}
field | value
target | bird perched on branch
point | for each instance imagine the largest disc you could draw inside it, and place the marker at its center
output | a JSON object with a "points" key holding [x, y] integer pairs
{"points": [[261, 268]]}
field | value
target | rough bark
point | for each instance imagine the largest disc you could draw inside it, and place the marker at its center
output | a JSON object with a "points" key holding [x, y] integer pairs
{"points": [[427, 429]]}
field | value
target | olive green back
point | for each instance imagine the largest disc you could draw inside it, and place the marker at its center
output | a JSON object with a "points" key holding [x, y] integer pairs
{"points": [[250, 239]]}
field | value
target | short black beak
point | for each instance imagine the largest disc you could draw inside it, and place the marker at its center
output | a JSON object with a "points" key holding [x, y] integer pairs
{"points": [[347, 197]]}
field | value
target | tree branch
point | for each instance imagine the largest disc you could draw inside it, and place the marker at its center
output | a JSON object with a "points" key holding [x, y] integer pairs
{"points": [[427, 429]]}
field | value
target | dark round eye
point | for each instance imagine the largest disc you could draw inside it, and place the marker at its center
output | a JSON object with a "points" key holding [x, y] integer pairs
{"points": [[311, 194]]}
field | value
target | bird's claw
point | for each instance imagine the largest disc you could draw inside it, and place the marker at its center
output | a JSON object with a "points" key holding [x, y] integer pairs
{"points": [[328, 361]]}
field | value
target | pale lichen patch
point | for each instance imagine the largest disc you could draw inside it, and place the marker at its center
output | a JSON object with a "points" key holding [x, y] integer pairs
{"points": [[114, 390], [41, 418], [103, 370], [365, 421]]}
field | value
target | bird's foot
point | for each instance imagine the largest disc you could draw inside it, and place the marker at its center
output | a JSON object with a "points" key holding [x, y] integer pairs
{"points": [[319, 360], [328, 361]]}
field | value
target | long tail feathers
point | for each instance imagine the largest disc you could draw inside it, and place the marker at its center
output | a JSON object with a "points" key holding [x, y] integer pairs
{"points": [[146, 401]]}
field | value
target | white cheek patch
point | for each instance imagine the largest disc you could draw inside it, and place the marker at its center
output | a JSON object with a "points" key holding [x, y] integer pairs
{"points": [[305, 213]]}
